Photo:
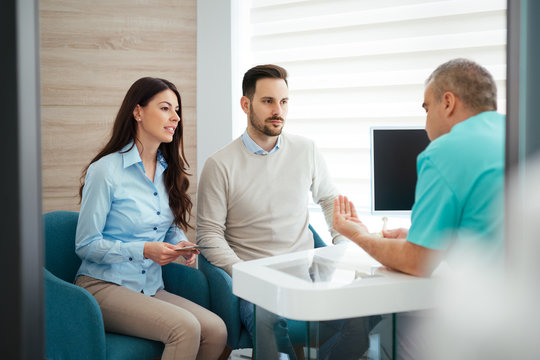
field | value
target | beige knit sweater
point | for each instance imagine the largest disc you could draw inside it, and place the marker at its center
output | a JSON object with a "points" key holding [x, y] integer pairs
{"points": [[253, 206]]}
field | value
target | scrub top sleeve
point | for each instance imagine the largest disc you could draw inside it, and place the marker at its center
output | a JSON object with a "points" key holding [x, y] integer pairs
{"points": [[435, 212]]}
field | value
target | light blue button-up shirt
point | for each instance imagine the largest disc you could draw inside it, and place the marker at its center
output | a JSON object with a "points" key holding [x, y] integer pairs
{"points": [[121, 209], [256, 149]]}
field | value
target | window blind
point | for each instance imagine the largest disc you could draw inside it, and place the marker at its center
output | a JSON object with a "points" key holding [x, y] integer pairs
{"points": [[355, 64]]}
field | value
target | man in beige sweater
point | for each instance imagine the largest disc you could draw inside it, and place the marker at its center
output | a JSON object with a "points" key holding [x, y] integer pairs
{"points": [[253, 194]]}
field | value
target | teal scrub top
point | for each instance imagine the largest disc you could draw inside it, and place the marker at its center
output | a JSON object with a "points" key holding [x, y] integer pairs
{"points": [[460, 186]]}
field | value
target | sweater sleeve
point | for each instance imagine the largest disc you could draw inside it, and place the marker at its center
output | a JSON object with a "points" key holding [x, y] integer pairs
{"points": [[212, 197], [324, 192]]}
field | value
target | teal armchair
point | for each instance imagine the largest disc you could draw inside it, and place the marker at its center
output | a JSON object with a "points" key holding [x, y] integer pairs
{"points": [[225, 304], [73, 321]]}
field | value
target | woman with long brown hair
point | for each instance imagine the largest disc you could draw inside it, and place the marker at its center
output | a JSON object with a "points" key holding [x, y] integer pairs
{"points": [[134, 209]]}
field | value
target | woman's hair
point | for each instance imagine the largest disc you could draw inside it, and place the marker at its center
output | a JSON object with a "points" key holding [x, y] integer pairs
{"points": [[125, 131]]}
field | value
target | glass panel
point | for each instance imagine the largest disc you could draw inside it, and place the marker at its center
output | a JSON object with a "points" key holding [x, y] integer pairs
{"points": [[369, 337]]}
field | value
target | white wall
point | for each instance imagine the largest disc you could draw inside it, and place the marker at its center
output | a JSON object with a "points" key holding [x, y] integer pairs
{"points": [[220, 59]]}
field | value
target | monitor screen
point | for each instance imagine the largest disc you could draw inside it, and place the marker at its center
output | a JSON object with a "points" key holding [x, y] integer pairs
{"points": [[393, 167]]}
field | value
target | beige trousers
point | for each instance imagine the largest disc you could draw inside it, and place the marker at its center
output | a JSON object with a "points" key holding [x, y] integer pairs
{"points": [[188, 330]]}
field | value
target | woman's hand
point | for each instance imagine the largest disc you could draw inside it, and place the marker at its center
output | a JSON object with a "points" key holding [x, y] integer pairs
{"points": [[160, 252], [346, 220], [190, 255]]}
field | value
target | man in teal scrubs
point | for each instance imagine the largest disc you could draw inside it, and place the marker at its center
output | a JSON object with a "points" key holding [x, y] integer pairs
{"points": [[460, 177], [458, 207]]}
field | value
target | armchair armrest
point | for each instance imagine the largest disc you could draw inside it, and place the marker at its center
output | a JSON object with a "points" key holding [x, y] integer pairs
{"points": [[187, 282], [317, 241], [222, 300], [73, 321]]}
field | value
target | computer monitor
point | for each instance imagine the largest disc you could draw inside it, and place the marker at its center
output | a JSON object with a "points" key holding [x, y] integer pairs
{"points": [[393, 167]]}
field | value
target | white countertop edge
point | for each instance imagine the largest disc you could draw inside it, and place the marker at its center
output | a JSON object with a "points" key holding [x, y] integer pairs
{"points": [[298, 299]]}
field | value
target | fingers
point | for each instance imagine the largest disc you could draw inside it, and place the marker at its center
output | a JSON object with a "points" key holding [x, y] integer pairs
{"points": [[342, 205], [168, 255], [395, 233], [190, 262], [168, 250], [184, 244], [353, 211], [159, 252], [347, 206], [190, 258], [337, 205]]}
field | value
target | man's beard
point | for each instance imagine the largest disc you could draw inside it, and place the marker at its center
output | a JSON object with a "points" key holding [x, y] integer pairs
{"points": [[267, 129]]}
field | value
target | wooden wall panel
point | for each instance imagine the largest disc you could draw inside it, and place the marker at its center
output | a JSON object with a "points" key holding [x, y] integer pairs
{"points": [[91, 53]]}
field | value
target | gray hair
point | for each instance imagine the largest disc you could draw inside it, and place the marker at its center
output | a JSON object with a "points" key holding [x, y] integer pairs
{"points": [[469, 81]]}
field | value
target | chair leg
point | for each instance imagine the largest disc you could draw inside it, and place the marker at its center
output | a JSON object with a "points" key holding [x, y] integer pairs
{"points": [[225, 354], [299, 352]]}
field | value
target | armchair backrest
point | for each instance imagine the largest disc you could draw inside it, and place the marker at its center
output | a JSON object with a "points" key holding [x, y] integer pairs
{"points": [[60, 257], [225, 304]]}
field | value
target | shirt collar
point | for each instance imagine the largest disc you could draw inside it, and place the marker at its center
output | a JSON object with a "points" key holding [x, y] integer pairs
{"points": [[132, 156], [256, 149]]}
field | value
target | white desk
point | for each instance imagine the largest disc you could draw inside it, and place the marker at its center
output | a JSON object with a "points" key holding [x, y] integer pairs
{"points": [[282, 285]]}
